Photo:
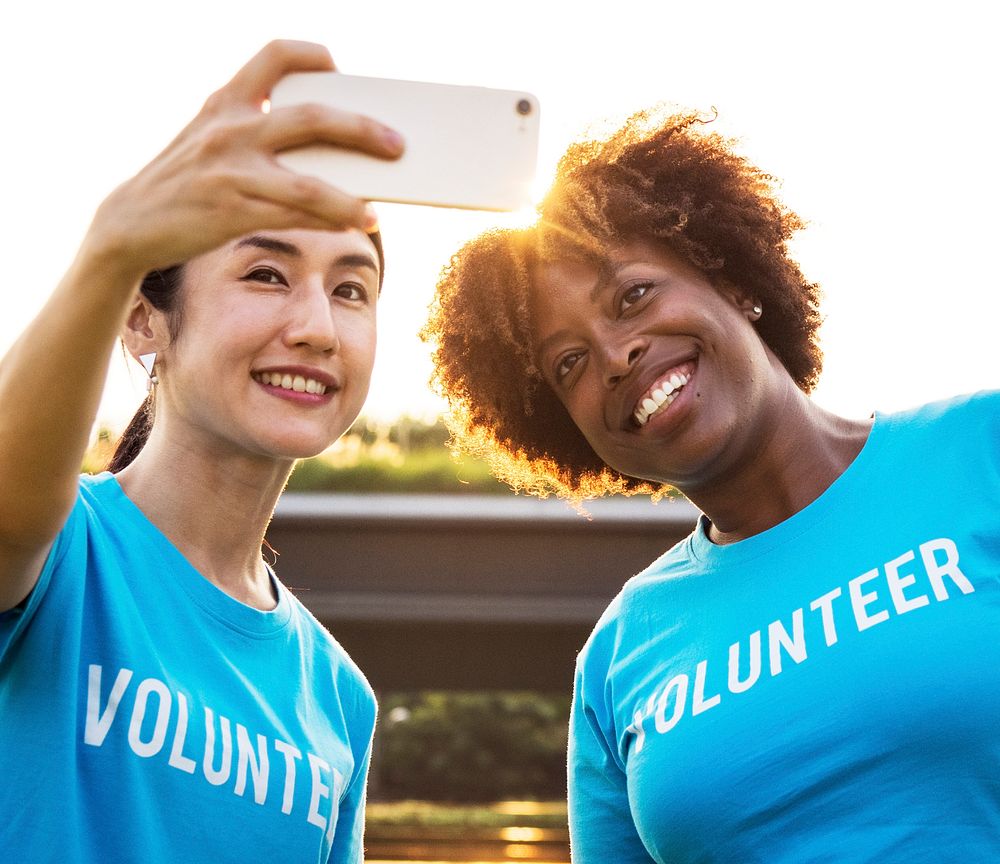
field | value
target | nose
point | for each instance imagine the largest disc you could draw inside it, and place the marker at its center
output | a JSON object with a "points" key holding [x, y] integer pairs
{"points": [[311, 322], [619, 357]]}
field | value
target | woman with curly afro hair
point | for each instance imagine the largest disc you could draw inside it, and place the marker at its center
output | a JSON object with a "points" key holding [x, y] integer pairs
{"points": [[802, 678]]}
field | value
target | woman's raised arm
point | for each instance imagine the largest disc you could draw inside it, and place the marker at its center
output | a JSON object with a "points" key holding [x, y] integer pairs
{"points": [[217, 180]]}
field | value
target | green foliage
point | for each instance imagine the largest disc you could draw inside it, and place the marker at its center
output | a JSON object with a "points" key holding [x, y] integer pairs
{"points": [[99, 454], [444, 746], [422, 471], [406, 456]]}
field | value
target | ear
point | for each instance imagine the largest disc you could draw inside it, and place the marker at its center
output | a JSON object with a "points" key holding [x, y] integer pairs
{"points": [[145, 330], [741, 300], [751, 308]]}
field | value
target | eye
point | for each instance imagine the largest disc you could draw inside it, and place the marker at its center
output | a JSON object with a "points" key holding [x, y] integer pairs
{"points": [[266, 276], [567, 363], [633, 294], [351, 291]]}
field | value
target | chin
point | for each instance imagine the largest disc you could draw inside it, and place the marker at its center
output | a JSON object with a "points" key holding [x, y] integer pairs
{"points": [[295, 438], [287, 446]]}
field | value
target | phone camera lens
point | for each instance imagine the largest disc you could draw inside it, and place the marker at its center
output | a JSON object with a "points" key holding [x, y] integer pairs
{"points": [[523, 107]]}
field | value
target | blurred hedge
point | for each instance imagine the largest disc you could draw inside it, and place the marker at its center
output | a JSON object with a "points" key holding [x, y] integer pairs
{"points": [[441, 746], [407, 455], [422, 471]]}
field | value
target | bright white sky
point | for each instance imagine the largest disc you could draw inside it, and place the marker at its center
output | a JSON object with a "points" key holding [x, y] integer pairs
{"points": [[880, 117]]}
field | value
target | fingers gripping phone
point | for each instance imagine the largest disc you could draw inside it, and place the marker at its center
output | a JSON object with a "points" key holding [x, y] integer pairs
{"points": [[468, 147]]}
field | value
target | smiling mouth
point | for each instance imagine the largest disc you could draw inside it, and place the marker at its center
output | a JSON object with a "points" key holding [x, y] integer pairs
{"points": [[286, 381], [660, 396]]}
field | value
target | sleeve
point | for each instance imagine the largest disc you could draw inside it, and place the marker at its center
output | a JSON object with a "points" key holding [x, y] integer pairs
{"points": [[348, 839], [992, 412], [601, 827], [14, 622], [970, 432]]}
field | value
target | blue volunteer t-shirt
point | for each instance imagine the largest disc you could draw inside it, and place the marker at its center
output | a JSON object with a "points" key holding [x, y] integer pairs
{"points": [[826, 691], [145, 715]]}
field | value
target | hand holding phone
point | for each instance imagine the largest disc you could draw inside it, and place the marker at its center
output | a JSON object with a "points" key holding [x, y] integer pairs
{"points": [[468, 147]]}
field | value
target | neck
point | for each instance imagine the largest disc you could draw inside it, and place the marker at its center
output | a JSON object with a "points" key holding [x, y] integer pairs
{"points": [[214, 507], [796, 460]]}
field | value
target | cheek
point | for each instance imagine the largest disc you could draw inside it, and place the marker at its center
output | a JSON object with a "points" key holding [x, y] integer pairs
{"points": [[585, 408], [226, 327], [358, 340]]}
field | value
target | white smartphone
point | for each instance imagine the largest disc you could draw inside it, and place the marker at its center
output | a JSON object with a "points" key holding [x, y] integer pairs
{"points": [[468, 147]]}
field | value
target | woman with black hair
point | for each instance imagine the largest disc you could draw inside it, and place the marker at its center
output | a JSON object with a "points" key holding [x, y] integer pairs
{"points": [[163, 697], [811, 675]]}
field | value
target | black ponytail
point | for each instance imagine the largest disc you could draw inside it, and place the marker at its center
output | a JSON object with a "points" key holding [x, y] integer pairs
{"points": [[134, 437]]}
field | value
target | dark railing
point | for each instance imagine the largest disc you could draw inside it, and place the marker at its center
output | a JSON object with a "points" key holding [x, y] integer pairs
{"points": [[465, 592]]}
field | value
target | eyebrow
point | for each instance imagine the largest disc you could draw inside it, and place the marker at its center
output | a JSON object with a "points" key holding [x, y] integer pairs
{"points": [[283, 247], [358, 260], [259, 241], [606, 273], [543, 346]]}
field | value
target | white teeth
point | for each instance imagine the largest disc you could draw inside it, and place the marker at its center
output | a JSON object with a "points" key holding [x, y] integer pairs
{"points": [[297, 383], [660, 397]]}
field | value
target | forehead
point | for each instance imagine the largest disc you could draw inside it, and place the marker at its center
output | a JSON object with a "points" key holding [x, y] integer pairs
{"points": [[315, 248], [570, 273], [328, 244]]}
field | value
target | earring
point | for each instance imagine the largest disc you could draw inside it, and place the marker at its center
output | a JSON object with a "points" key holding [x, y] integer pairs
{"points": [[148, 361], [757, 311]]}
